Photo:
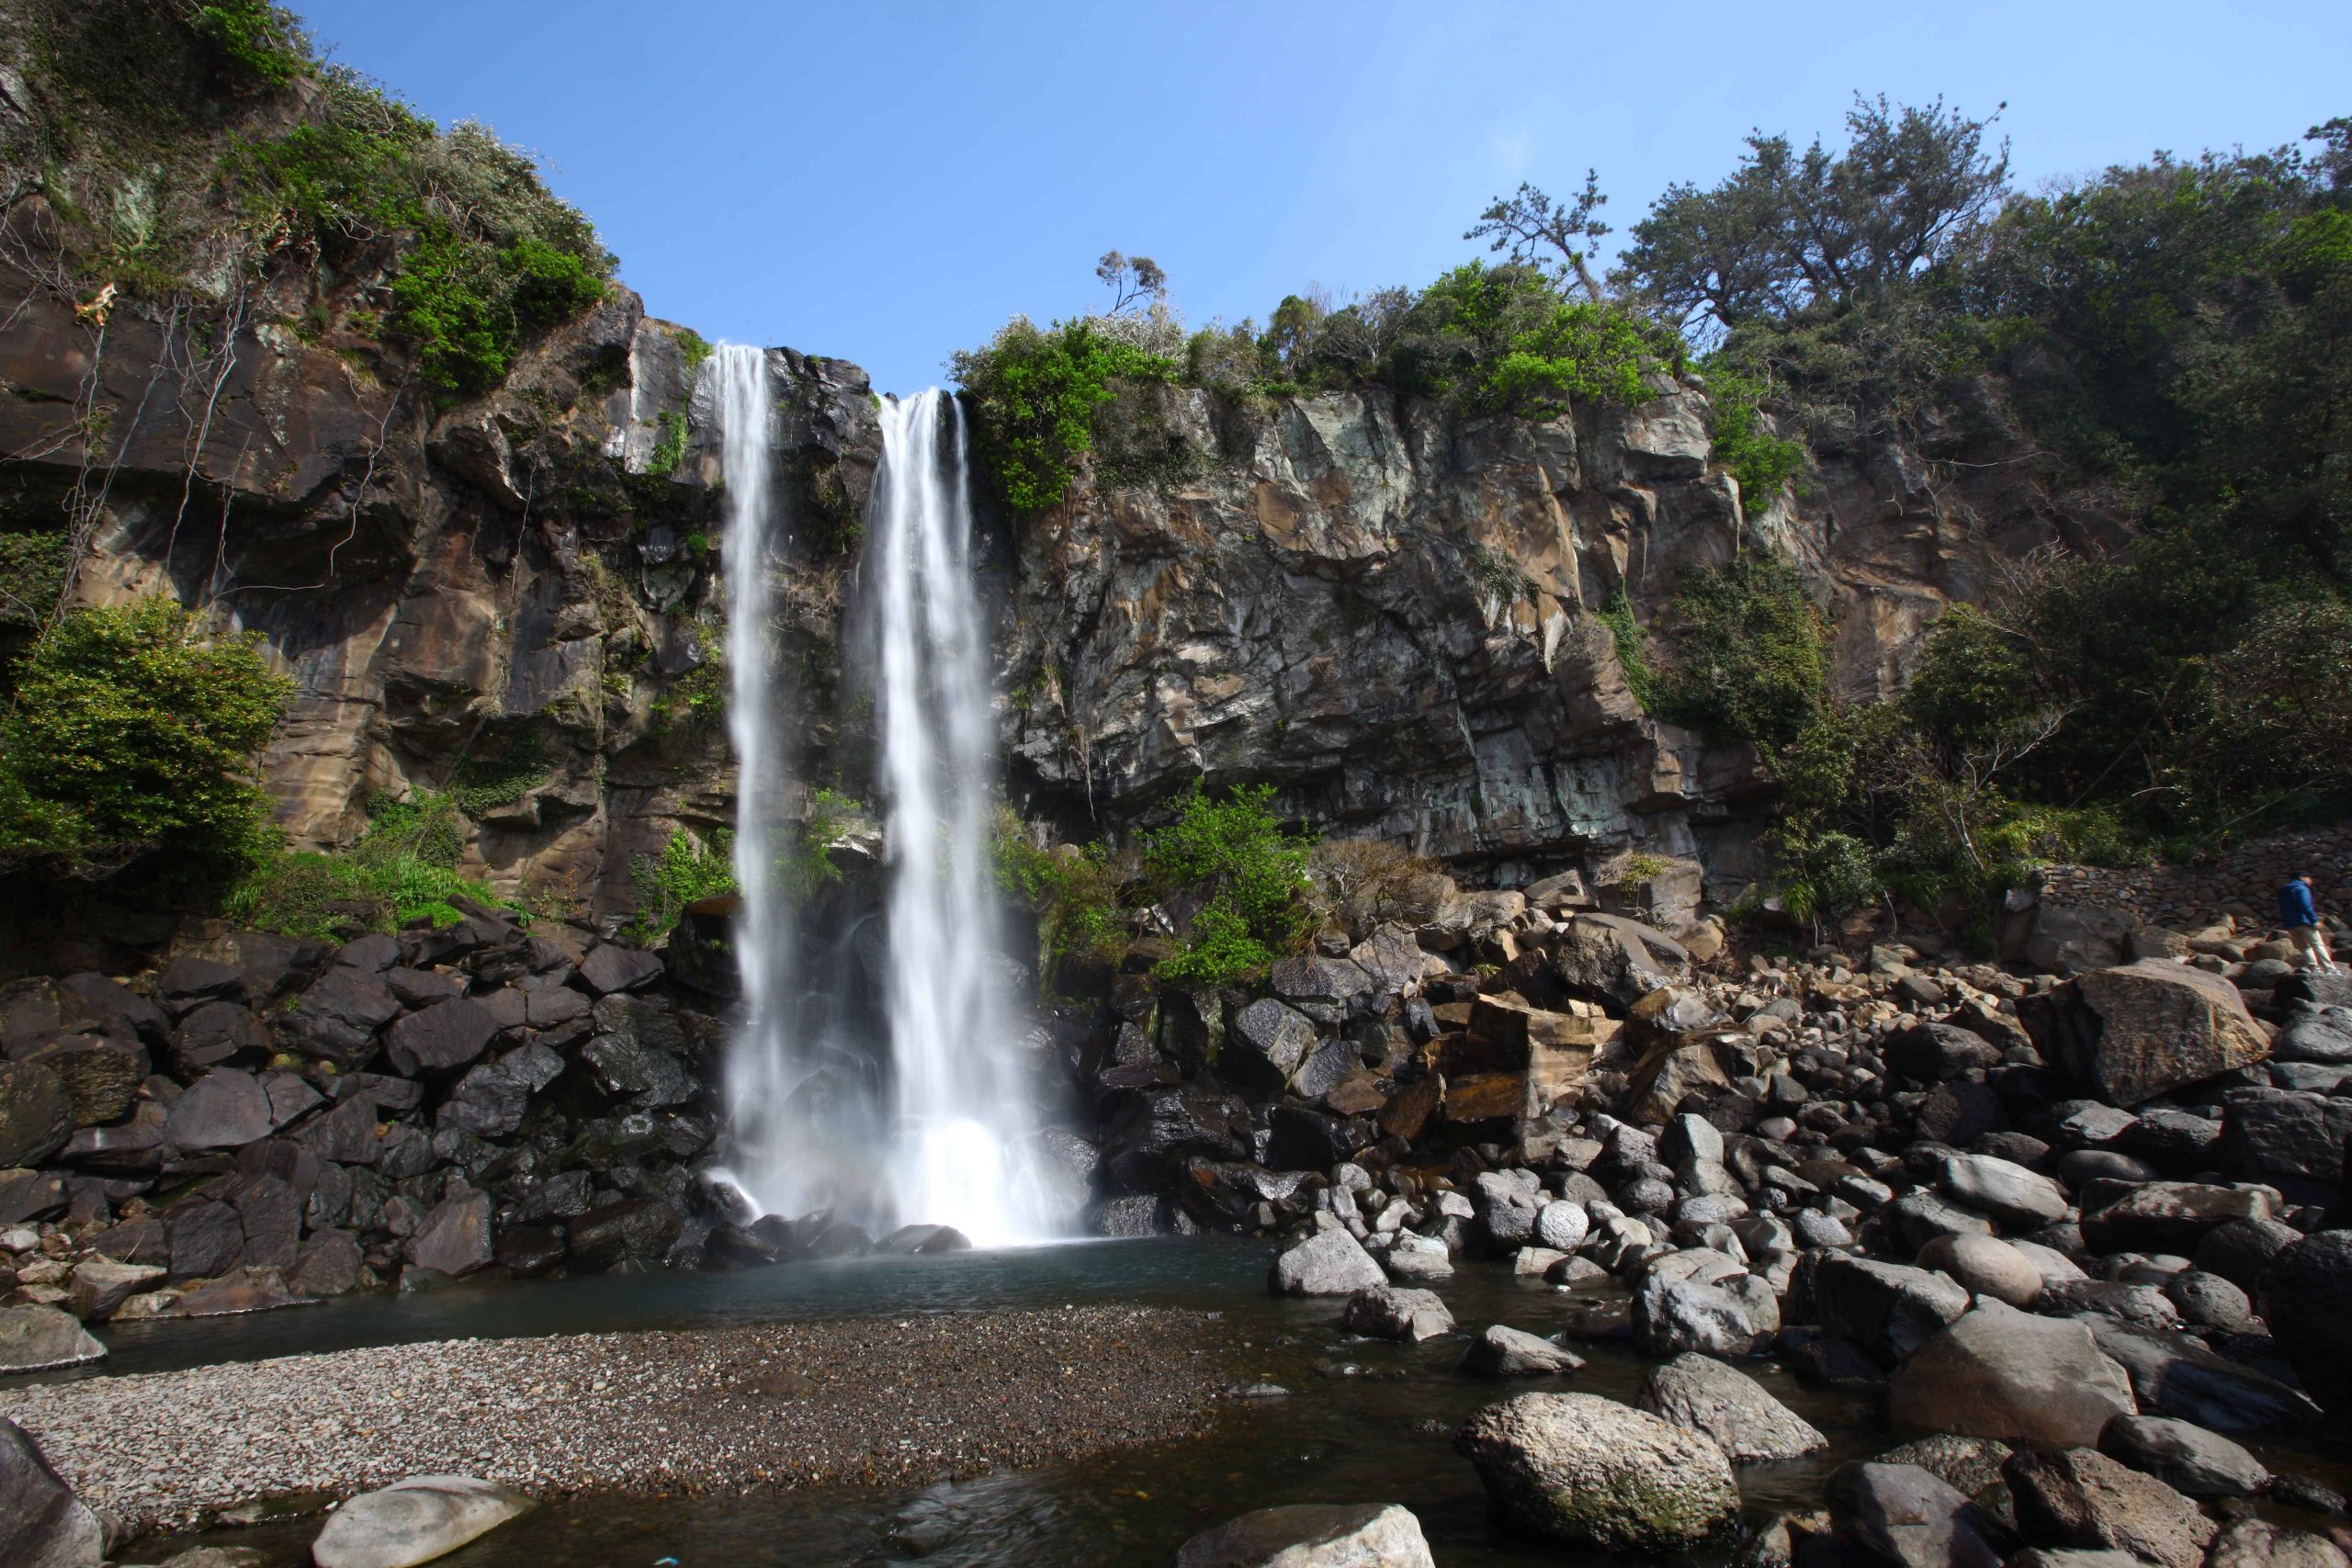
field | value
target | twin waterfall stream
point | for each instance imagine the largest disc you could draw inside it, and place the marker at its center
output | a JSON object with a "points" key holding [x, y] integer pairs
{"points": [[879, 1073]]}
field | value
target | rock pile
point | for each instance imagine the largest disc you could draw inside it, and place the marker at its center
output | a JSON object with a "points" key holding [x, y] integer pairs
{"points": [[412, 1107]]}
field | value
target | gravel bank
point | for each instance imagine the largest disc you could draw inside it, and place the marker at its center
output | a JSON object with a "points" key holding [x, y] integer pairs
{"points": [[864, 1401]]}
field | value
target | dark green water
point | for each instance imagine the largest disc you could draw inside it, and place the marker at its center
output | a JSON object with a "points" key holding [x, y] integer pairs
{"points": [[1365, 1421]]}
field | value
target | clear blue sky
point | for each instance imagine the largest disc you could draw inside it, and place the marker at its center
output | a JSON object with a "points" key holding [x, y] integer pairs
{"points": [[887, 180]]}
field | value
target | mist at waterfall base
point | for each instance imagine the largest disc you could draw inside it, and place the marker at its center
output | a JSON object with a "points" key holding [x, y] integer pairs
{"points": [[880, 1075]]}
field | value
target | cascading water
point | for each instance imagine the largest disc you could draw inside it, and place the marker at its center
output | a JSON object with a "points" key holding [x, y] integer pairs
{"points": [[963, 1108], [883, 1082]]}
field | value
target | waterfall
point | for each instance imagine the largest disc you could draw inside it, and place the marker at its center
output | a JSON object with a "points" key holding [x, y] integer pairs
{"points": [[962, 1106], [764, 1068], [889, 1091]]}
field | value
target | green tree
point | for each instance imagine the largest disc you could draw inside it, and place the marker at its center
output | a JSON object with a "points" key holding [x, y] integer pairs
{"points": [[1034, 398], [131, 733]]}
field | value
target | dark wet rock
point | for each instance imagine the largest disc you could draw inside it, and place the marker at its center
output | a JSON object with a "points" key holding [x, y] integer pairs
{"points": [[2183, 1456], [1905, 1515], [330, 1265], [1132, 1216], [2307, 1298], [42, 1523], [348, 1135], [1828, 1361], [1998, 1373], [100, 1077], [1505, 1352], [189, 982], [269, 1220], [2169, 1216], [908, 1241], [1972, 1465], [2292, 1140], [422, 987], [1385, 1311], [1151, 1134], [1590, 1472], [225, 1108], [291, 1097], [2209, 1301], [608, 968], [1749, 1424], [444, 1035], [32, 1337], [455, 1237], [2081, 1498], [36, 1114], [2172, 1375], [639, 1232], [528, 1251], [95, 1001], [336, 1017], [1329, 1263], [1312, 1535], [1887, 1309], [27, 1196], [1935, 1052], [220, 1035]]}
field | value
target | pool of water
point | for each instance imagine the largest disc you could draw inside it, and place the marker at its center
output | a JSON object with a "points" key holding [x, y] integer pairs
{"points": [[1364, 1420]]}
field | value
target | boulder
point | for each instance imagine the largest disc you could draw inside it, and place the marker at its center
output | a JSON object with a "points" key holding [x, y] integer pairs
{"points": [[1611, 958], [2169, 1216], [1728, 1405], [2004, 1189], [1985, 1265], [1329, 1263], [454, 1236], [329, 1266], [32, 1337], [1903, 1515], [100, 1077], [1590, 1472], [36, 1114], [2290, 1139], [2183, 1456], [1312, 1535], [415, 1521], [1412, 1256], [2307, 1300], [640, 1231], [101, 1284], [1998, 1373], [2172, 1375], [1265, 1043], [42, 1523], [2258, 1543], [1888, 1309], [2128, 1034], [336, 1017], [608, 968], [1671, 1316], [1384, 1312], [444, 1035], [2079, 1497], [1504, 1352], [1936, 1052], [227, 1107]]}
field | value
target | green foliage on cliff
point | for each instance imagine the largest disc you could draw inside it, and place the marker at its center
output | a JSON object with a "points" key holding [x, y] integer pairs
{"points": [[265, 41], [1074, 891], [687, 870], [1751, 652], [1252, 874], [1501, 340], [1033, 396], [1744, 445], [402, 871], [130, 732], [32, 576]]}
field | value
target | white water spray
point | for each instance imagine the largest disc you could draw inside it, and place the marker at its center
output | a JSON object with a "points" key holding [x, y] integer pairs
{"points": [[963, 1108], [808, 1076]]}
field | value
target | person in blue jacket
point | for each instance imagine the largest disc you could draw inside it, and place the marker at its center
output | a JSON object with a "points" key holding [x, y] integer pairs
{"points": [[2300, 916]]}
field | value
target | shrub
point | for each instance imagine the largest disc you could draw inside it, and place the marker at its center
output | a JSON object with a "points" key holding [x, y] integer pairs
{"points": [[687, 870], [32, 578], [1633, 647], [1073, 891], [264, 42], [402, 871], [806, 860], [128, 733], [1500, 340], [1255, 876], [1034, 396], [1751, 652], [1744, 445]]}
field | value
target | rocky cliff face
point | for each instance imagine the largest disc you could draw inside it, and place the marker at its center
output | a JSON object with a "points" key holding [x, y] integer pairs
{"points": [[1392, 614]]}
